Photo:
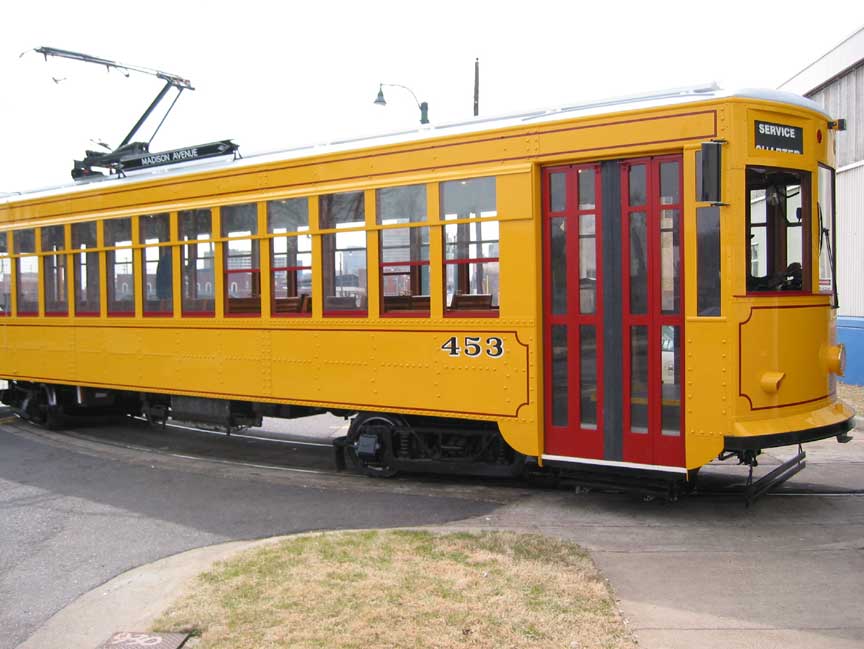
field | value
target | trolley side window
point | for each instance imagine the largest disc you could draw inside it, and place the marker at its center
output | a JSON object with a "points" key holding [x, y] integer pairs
{"points": [[195, 228], [470, 246], [5, 276], [120, 281], [85, 268], [158, 281], [241, 260], [404, 253], [27, 265], [290, 257], [53, 244], [778, 228], [343, 253]]}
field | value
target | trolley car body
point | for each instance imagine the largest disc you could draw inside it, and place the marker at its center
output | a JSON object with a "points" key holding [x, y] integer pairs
{"points": [[553, 276]]}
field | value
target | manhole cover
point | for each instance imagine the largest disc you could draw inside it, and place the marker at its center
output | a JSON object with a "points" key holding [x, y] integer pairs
{"points": [[127, 640]]}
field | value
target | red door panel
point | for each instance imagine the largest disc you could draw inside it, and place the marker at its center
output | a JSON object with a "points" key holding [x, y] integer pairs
{"points": [[573, 311]]}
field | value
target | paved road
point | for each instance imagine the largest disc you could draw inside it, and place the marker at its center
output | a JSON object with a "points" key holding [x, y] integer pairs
{"points": [[701, 573], [74, 514]]}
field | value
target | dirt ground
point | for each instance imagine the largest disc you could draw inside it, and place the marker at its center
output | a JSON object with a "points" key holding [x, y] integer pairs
{"points": [[853, 395]]}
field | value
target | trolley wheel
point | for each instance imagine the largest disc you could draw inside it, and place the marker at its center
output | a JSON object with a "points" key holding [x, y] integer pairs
{"points": [[38, 408], [370, 440]]}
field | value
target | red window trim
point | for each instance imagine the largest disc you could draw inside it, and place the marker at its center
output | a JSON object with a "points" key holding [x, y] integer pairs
{"points": [[450, 313], [405, 314], [198, 314], [471, 260], [87, 314], [121, 314], [27, 314], [404, 263], [346, 314], [273, 314], [284, 268], [158, 314]]}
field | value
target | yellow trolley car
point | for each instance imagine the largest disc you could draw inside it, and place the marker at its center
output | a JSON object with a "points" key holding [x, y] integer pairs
{"points": [[622, 290]]}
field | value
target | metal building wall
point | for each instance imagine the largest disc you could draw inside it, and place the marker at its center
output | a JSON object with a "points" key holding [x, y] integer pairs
{"points": [[844, 97], [850, 240]]}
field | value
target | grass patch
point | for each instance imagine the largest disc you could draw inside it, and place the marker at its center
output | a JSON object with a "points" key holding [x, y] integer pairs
{"points": [[403, 589]]}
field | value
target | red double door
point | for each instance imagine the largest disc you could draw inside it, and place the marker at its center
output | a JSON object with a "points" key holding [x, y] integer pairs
{"points": [[613, 312]]}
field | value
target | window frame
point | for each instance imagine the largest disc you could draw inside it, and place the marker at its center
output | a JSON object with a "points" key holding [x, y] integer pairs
{"points": [[473, 218], [304, 300], [192, 245], [27, 255], [254, 270], [111, 264], [449, 312], [163, 245], [61, 256], [6, 256], [329, 238], [90, 254], [415, 304]]}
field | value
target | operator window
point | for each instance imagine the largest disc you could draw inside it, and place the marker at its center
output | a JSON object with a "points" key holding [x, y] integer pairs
{"points": [[118, 265], [5, 276], [195, 228], [85, 269], [470, 247], [344, 253], [158, 281], [778, 228], [290, 257], [242, 260], [404, 253], [54, 263]]}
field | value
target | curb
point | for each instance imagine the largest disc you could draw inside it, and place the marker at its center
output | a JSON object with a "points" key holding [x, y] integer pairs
{"points": [[131, 600]]}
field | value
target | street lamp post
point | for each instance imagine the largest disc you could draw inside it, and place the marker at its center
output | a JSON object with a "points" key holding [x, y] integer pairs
{"points": [[422, 105]]}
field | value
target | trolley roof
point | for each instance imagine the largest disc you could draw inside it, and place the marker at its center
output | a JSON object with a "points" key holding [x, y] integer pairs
{"points": [[671, 97]]}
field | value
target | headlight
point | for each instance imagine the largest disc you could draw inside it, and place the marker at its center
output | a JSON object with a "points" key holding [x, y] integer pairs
{"points": [[835, 357]]}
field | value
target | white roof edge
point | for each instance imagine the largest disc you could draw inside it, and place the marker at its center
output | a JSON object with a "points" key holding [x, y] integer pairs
{"points": [[671, 97], [844, 55]]}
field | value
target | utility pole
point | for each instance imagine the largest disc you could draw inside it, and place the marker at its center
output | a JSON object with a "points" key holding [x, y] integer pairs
{"points": [[476, 87]]}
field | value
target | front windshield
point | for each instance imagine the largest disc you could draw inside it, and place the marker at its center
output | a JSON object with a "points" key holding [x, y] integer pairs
{"points": [[778, 227]]}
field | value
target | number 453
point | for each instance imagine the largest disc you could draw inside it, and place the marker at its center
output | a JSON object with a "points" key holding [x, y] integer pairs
{"points": [[472, 347]]}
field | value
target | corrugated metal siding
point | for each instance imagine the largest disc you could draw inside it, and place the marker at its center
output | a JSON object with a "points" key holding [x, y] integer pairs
{"points": [[850, 241], [844, 97]]}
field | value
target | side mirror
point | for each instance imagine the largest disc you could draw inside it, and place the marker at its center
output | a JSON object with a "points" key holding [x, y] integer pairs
{"points": [[711, 176]]}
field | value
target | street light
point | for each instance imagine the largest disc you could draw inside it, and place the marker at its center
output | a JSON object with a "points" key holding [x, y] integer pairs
{"points": [[422, 105]]}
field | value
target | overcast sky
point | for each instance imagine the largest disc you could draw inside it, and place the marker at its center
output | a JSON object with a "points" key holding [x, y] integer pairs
{"points": [[271, 75]]}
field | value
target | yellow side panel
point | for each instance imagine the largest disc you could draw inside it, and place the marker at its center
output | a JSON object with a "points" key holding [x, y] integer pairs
{"points": [[352, 368], [402, 370], [587, 139], [710, 377]]}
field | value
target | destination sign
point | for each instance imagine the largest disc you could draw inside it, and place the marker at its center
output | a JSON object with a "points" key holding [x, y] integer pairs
{"points": [[186, 154], [779, 137]]}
